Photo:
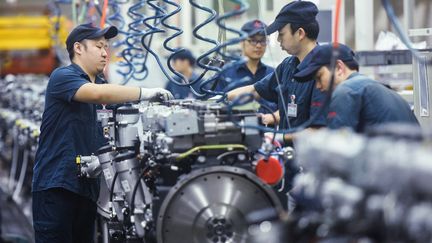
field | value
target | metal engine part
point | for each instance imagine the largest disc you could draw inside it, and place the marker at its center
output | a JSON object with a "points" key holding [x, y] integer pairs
{"points": [[210, 205], [156, 152]]}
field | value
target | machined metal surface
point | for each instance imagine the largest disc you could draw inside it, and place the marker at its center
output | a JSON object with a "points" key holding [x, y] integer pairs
{"points": [[211, 205]]}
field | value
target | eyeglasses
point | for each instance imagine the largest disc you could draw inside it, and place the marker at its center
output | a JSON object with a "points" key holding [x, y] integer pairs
{"points": [[256, 42]]}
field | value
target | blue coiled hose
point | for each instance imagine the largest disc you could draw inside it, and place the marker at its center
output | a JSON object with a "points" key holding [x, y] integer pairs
{"points": [[140, 63], [117, 20], [132, 54], [162, 16], [242, 36], [174, 51]]}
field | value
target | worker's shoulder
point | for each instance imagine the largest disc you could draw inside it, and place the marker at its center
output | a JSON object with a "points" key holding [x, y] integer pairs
{"points": [[268, 68], [63, 71], [358, 81], [290, 61]]}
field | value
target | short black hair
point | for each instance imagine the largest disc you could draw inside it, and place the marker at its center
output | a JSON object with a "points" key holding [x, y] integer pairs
{"points": [[353, 65], [312, 29], [184, 54], [71, 50], [71, 53]]}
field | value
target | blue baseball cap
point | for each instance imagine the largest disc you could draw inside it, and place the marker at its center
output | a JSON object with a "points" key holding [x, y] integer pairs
{"points": [[321, 56], [297, 12], [184, 54], [88, 31], [254, 27]]}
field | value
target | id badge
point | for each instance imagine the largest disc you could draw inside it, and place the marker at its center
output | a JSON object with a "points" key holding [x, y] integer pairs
{"points": [[104, 113], [292, 110]]}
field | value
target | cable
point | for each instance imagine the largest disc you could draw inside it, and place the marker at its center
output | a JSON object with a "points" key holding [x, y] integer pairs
{"points": [[336, 23], [135, 189], [104, 11], [133, 39], [243, 6], [112, 186], [83, 12], [399, 31], [74, 4], [117, 19]]}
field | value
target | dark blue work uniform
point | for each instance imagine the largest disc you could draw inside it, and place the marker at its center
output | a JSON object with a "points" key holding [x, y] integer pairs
{"points": [[183, 92], [239, 75], [360, 102], [64, 207], [307, 98]]}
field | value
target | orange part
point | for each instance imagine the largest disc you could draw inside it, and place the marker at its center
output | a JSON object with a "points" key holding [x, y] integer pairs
{"points": [[270, 171]]}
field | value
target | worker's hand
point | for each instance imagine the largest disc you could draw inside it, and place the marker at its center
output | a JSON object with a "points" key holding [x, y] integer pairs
{"points": [[267, 119], [155, 94]]}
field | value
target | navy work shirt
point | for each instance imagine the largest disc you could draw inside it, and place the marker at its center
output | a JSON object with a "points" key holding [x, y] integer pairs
{"points": [[308, 98], [359, 102], [183, 92], [69, 128], [237, 76]]}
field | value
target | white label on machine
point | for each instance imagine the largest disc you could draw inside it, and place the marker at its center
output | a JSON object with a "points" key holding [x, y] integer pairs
{"points": [[125, 185], [107, 174]]}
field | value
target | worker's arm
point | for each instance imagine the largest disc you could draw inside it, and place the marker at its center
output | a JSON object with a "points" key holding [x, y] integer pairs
{"points": [[113, 93], [243, 90], [269, 119], [289, 137]]}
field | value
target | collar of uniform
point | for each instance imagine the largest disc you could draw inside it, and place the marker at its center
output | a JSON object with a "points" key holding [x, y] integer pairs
{"points": [[79, 69], [98, 79], [194, 76], [352, 75], [305, 61], [244, 66]]}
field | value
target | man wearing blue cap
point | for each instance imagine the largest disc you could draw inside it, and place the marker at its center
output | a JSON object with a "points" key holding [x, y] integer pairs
{"points": [[242, 74], [64, 208], [297, 102], [183, 62], [357, 101]]}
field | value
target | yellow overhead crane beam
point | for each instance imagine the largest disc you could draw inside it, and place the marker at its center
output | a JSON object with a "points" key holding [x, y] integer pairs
{"points": [[31, 32]]}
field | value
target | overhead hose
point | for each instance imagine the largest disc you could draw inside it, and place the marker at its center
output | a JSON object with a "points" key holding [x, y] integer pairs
{"points": [[212, 16], [243, 6], [117, 19], [164, 16], [104, 10], [174, 51], [400, 32], [83, 12], [58, 46], [132, 54], [140, 64], [160, 13]]}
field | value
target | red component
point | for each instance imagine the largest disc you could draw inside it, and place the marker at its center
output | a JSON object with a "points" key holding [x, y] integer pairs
{"points": [[22, 62], [270, 171]]}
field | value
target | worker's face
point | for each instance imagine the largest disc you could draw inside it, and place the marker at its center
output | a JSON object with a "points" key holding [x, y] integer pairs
{"points": [[93, 54], [323, 76], [254, 47], [289, 42], [180, 65]]}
